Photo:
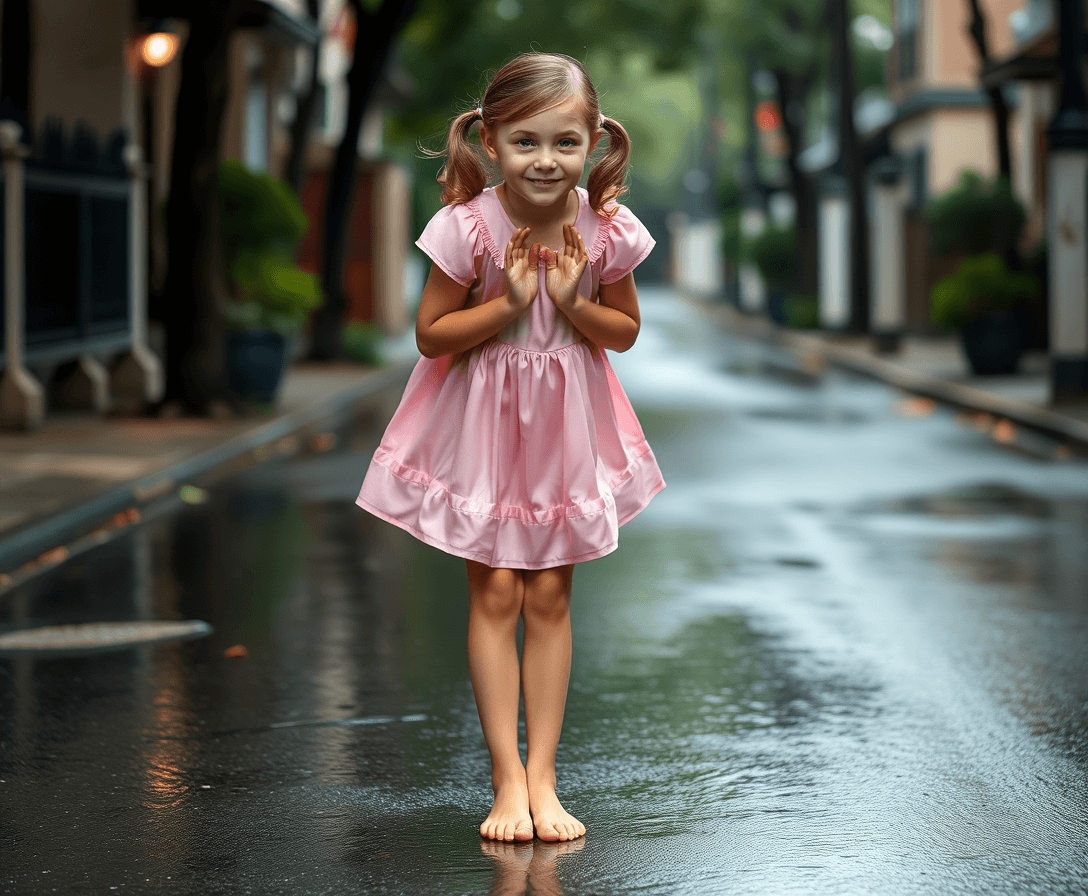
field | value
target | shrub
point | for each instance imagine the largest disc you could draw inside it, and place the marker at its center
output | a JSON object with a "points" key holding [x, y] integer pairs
{"points": [[802, 312], [981, 285], [262, 222], [774, 253], [976, 217], [362, 342]]}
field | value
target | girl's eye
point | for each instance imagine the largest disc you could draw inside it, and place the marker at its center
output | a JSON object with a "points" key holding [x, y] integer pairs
{"points": [[566, 143], [525, 142]]}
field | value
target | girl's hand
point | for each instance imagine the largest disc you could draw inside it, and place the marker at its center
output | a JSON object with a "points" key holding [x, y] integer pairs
{"points": [[565, 268], [521, 270]]}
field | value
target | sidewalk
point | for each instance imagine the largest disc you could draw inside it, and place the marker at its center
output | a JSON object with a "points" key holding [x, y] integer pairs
{"points": [[935, 368], [82, 477]]}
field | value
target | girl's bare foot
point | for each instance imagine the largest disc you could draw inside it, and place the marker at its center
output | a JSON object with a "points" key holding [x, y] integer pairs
{"points": [[550, 820], [509, 819]]}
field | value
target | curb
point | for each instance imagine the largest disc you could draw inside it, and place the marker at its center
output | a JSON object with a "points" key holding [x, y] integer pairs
{"points": [[30, 542], [1037, 419]]}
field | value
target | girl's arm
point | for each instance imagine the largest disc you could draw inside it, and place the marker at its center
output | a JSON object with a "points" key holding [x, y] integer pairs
{"points": [[444, 326], [614, 321]]}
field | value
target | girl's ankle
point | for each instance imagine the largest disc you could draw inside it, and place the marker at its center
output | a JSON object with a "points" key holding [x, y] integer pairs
{"points": [[515, 778]]}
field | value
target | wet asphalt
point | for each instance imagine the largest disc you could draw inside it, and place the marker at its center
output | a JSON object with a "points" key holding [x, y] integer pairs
{"points": [[843, 652]]}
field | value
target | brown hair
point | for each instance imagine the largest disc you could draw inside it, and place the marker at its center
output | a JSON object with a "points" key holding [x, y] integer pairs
{"points": [[525, 86]]}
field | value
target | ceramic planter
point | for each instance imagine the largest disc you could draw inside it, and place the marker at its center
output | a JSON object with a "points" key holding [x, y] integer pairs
{"points": [[993, 343], [255, 364]]}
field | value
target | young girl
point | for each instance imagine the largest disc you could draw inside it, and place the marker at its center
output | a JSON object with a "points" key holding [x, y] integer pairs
{"points": [[514, 446]]}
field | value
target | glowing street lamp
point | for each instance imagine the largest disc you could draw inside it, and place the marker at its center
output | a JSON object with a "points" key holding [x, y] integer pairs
{"points": [[159, 48]]}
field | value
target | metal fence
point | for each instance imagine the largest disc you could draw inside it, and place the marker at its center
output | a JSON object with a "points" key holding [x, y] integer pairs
{"points": [[76, 287], [76, 264]]}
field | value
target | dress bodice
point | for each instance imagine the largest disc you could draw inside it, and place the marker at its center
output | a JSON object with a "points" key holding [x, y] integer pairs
{"points": [[468, 242]]}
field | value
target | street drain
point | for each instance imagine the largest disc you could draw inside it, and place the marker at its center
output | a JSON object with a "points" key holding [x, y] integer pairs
{"points": [[99, 636]]}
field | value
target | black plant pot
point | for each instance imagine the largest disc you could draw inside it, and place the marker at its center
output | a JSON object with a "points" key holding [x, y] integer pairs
{"points": [[776, 305], [993, 343], [255, 364]]}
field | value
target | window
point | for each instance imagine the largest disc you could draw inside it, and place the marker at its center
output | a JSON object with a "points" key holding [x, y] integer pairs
{"points": [[906, 39]]}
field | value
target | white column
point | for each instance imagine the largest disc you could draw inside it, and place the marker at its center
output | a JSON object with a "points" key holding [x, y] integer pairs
{"points": [[137, 377], [887, 268], [1067, 259], [834, 238], [753, 291], [22, 398]]}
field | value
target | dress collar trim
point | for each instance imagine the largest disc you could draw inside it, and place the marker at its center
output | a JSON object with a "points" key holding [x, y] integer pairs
{"points": [[497, 228]]}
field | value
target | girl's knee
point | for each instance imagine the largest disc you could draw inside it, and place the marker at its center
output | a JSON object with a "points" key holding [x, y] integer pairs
{"points": [[547, 595], [496, 593]]}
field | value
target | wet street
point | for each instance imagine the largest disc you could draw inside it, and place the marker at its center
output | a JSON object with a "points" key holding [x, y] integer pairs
{"points": [[843, 652]]}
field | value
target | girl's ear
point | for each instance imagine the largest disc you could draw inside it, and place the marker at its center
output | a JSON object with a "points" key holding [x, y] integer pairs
{"points": [[487, 141]]}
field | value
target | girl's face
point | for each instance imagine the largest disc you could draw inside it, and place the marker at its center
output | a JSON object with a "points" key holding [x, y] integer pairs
{"points": [[542, 157]]}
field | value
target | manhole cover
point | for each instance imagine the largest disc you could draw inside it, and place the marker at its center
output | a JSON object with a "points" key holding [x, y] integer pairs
{"points": [[99, 635]]}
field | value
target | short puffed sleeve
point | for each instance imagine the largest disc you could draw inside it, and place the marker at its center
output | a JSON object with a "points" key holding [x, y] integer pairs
{"points": [[627, 243], [452, 240]]}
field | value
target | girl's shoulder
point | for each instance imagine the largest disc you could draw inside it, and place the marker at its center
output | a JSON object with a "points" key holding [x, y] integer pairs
{"points": [[620, 241], [453, 238]]}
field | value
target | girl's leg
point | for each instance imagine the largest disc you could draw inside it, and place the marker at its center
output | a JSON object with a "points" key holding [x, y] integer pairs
{"points": [[495, 602], [545, 671]]}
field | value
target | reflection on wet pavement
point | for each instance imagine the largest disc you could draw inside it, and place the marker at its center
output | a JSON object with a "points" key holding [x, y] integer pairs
{"points": [[843, 652]]}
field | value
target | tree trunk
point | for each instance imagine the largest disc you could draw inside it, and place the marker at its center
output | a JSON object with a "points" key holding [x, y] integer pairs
{"points": [[301, 127], [1000, 109], [374, 36], [195, 374], [793, 93], [853, 169]]}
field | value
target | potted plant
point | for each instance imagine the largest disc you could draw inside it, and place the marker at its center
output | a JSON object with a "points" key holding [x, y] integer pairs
{"points": [[979, 300], [270, 296]]}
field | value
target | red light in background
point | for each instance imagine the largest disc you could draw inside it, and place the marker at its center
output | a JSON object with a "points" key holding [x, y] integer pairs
{"points": [[768, 118]]}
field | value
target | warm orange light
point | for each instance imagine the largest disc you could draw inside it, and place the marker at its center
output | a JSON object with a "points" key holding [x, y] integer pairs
{"points": [[158, 49], [768, 117]]}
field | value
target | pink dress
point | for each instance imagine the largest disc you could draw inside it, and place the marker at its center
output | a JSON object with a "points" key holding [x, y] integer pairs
{"points": [[523, 453]]}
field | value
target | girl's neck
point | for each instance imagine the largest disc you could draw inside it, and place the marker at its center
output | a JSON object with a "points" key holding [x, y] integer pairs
{"points": [[537, 218]]}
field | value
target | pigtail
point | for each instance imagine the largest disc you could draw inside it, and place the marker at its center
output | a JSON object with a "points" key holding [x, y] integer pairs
{"points": [[462, 175], [606, 180]]}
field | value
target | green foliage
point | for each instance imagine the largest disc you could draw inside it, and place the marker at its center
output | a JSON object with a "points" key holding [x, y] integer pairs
{"points": [[774, 253], [976, 217], [981, 285], [803, 312], [262, 222], [362, 342], [870, 65]]}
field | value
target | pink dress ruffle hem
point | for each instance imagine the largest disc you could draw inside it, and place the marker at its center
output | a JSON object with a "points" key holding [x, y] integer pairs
{"points": [[523, 453]]}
